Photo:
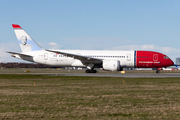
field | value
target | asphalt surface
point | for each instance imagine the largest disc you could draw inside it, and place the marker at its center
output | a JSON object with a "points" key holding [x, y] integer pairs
{"points": [[125, 75]]}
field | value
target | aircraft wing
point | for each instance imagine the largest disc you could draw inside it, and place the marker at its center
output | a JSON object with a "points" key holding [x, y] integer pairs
{"points": [[84, 59], [20, 54]]}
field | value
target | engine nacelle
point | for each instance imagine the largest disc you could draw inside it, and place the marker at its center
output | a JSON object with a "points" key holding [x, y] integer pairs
{"points": [[112, 65]]}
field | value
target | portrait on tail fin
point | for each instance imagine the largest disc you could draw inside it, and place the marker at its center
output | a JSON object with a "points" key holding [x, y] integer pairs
{"points": [[24, 46]]}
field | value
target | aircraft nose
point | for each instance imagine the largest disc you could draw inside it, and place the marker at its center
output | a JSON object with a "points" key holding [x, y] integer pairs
{"points": [[171, 63]]}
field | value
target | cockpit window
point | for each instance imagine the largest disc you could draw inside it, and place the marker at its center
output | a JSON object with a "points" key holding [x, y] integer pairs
{"points": [[166, 57]]}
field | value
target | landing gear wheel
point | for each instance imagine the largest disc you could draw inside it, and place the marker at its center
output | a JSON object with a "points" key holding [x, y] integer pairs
{"points": [[87, 71], [157, 71], [91, 71], [94, 71]]}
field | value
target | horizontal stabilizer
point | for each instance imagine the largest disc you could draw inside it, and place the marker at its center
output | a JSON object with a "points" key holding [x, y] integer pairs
{"points": [[19, 54]]}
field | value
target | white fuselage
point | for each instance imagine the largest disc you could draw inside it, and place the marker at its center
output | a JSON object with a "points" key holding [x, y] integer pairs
{"points": [[44, 57]]}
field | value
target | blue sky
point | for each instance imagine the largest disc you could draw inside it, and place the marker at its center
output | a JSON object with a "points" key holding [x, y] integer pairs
{"points": [[93, 24]]}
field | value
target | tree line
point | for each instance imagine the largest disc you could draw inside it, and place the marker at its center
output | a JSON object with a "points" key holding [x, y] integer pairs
{"points": [[24, 65]]}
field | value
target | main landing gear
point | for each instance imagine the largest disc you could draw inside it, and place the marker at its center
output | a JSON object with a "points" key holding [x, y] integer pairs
{"points": [[90, 68], [91, 71], [157, 71]]}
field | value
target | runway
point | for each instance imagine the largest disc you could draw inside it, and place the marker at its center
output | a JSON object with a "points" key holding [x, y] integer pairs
{"points": [[126, 75]]}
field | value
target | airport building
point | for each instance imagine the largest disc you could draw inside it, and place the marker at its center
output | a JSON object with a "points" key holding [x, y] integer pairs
{"points": [[177, 61]]}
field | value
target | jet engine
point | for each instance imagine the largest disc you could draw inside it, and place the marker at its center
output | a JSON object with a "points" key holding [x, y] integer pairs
{"points": [[112, 65]]}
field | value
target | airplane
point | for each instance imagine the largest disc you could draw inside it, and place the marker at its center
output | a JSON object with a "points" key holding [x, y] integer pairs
{"points": [[174, 67], [109, 60]]}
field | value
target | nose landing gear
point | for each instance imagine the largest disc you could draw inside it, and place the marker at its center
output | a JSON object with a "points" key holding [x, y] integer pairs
{"points": [[157, 71]]}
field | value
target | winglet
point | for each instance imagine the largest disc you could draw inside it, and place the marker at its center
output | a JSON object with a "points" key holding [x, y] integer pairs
{"points": [[16, 26]]}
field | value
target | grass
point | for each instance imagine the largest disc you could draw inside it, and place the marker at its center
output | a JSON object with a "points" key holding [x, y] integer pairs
{"points": [[60, 97]]}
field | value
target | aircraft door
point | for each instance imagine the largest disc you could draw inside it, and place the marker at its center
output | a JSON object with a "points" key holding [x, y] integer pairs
{"points": [[45, 56], [128, 57], [155, 57]]}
